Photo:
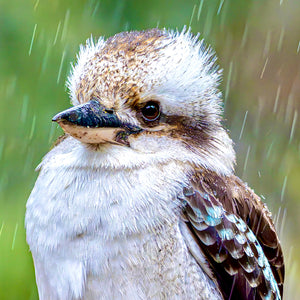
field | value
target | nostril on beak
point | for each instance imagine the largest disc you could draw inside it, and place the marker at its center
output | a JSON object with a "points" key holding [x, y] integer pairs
{"points": [[109, 110]]}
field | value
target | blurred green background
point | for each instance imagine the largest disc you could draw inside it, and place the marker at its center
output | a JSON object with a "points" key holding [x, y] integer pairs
{"points": [[258, 45]]}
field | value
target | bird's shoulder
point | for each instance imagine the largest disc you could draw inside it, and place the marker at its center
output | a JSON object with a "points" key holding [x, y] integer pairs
{"points": [[234, 230]]}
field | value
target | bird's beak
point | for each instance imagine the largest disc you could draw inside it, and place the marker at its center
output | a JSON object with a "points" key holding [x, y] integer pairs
{"points": [[92, 123]]}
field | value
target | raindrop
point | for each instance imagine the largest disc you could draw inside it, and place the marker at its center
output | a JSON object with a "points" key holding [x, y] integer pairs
{"points": [[220, 6], [293, 126], [277, 217], [57, 32], [282, 222], [42, 37], [279, 46], [246, 159], [96, 8], [244, 122], [1, 146], [66, 21], [269, 150], [192, 16], [267, 43], [1, 229], [14, 238], [36, 5], [264, 68], [283, 189], [245, 36], [11, 86], [276, 99], [289, 108], [32, 39], [228, 81], [200, 9], [208, 23], [60, 67], [223, 21], [45, 59], [32, 127], [51, 133], [126, 26]]}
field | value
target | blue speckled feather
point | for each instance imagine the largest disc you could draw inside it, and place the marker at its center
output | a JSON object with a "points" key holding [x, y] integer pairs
{"points": [[236, 254]]}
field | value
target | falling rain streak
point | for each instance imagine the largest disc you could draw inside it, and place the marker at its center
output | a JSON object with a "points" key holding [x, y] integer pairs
{"points": [[228, 81], [32, 127], [36, 5], [293, 126], [220, 6], [276, 99], [277, 218], [243, 126], [24, 108], [65, 27], [269, 150], [246, 159], [245, 36], [1, 229], [57, 32], [51, 133], [60, 66], [200, 9], [281, 229], [96, 8], [32, 39], [264, 68], [192, 16], [279, 46], [1, 146], [14, 237], [283, 188]]}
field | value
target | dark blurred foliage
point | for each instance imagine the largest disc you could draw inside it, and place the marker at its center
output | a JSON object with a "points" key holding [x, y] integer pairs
{"points": [[257, 43]]}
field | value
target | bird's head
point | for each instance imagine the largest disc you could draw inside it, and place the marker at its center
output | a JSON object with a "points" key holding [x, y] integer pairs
{"points": [[155, 92]]}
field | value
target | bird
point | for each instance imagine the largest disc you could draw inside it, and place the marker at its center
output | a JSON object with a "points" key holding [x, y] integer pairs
{"points": [[138, 199]]}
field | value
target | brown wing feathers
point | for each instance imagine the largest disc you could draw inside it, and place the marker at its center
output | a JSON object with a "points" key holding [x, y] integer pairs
{"points": [[238, 198], [236, 232]]}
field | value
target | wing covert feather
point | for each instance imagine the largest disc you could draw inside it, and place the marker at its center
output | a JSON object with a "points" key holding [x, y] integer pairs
{"points": [[235, 231]]}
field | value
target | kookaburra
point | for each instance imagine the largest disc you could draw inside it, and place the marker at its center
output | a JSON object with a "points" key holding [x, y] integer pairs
{"points": [[139, 199]]}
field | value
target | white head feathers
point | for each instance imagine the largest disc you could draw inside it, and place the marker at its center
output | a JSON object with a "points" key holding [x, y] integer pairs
{"points": [[174, 68]]}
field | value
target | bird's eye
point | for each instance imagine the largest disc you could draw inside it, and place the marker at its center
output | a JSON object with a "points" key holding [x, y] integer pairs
{"points": [[151, 111]]}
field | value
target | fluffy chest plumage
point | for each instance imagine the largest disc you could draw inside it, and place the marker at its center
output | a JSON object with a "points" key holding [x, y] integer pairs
{"points": [[104, 232], [77, 201]]}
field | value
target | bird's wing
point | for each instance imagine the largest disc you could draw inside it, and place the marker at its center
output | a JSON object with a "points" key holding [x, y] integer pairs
{"points": [[231, 226]]}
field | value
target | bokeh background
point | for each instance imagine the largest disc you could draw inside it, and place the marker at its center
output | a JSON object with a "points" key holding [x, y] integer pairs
{"points": [[258, 45]]}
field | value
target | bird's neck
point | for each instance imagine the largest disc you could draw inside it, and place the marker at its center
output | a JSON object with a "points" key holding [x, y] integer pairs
{"points": [[90, 199]]}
